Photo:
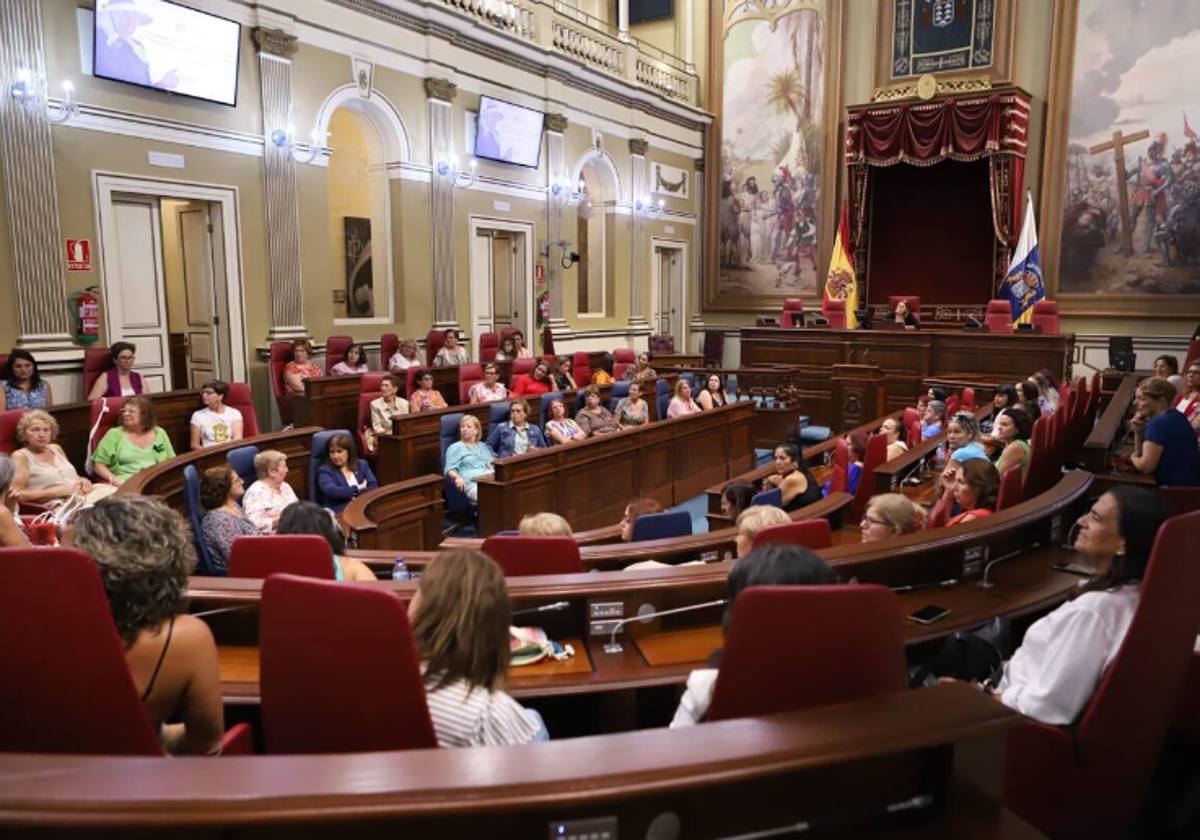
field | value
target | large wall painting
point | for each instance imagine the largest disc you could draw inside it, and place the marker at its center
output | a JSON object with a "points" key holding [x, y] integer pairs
{"points": [[772, 189], [1128, 175]]}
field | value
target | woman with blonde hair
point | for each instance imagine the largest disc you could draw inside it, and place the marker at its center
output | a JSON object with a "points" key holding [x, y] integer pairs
{"points": [[468, 458], [544, 525], [1164, 442], [43, 472], [891, 515], [270, 494], [404, 357], [682, 403], [755, 519], [460, 620]]}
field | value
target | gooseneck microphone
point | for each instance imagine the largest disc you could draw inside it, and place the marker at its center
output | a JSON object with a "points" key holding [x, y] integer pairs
{"points": [[555, 607], [614, 647]]}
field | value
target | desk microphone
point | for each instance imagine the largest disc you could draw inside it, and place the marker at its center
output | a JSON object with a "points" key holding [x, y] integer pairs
{"points": [[984, 583], [555, 607], [614, 647], [913, 587]]}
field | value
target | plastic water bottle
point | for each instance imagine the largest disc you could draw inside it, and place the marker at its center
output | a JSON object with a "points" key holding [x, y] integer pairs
{"points": [[400, 570]]}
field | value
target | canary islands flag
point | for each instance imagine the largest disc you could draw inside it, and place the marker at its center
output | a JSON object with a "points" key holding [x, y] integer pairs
{"points": [[1023, 284], [840, 283]]}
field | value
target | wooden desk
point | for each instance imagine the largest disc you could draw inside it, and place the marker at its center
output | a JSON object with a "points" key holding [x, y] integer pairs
{"points": [[590, 483], [401, 515], [687, 361], [1098, 448], [330, 402]]}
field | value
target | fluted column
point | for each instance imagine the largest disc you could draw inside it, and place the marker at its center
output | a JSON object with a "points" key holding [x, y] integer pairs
{"points": [[441, 93], [556, 125], [637, 256], [280, 196], [28, 159], [697, 296]]}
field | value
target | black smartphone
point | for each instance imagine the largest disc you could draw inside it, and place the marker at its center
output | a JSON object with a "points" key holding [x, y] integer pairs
{"points": [[929, 614]]}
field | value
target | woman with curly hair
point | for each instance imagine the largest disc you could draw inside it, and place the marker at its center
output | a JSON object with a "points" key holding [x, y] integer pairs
{"points": [[144, 553], [224, 520]]}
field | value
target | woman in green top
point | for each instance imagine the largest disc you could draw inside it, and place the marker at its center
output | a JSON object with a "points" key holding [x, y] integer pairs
{"points": [[134, 445]]}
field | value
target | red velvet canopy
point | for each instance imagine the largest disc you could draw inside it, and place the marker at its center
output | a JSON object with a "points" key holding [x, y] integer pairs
{"points": [[969, 128]]}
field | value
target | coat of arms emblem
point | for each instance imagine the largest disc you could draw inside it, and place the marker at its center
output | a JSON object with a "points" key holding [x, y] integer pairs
{"points": [[943, 12]]}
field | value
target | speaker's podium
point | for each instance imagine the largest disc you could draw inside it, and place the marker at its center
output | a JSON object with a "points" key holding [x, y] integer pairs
{"points": [[858, 392]]}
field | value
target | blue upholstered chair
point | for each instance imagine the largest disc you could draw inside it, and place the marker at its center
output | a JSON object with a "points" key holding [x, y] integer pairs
{"points": [[242, 461], [497, 414], [545, 406], [620, 390], [195, 514], [772, 498], [319, 442], [456, 500], [661, 526]]}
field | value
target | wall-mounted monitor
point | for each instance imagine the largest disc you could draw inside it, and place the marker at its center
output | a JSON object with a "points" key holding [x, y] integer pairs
{"points": [[641, 11], [166, 46], [508, 133]]}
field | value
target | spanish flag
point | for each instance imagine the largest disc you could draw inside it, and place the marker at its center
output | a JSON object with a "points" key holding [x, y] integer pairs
{"points": [[840, 283]]}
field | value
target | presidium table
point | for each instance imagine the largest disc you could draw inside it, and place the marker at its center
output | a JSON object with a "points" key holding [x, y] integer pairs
{"points": [[842, 378]]}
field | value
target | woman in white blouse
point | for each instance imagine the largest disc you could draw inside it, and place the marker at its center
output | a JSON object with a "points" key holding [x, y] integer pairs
{"points": [[267, 497], [1063, 657], [387, 405]]}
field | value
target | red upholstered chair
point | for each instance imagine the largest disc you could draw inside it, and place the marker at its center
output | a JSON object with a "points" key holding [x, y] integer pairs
{"points": [[876, 457], [8, 430], [307, 555], [239, 397], [662, 344], [811, 533], [998, 318], [1010, 489], [953, 404], [371, 381], [281, 354], [1181, 499], [968, 399], [364, 421], [1187, 715], [714, 348], [506, 332], [939, 514], [104, 415], [96, 360], [489, 345], [1052, 774], [335, 350], [519, 556], [624, 354], [793, 313], [434, 341], [914, 304], [834, 311], [410, 380], [582, 369], [841, 455], [1193, 353], [1045, 315], [323, 689], [66, 685], [520, 367], [389, 343], [798, 647], [837, 480], [914, 434], [468, 376]]}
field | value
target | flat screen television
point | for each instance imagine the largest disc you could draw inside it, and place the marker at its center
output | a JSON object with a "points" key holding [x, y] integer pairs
{"points": [[508, 133], [165, 46]]}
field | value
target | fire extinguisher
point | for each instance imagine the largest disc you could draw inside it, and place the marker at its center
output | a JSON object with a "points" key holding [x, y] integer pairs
{"points": [[85, 309]]}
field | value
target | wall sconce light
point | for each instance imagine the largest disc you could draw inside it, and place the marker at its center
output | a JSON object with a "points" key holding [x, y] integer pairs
{"points": [[459, 179], [285, 138], [29, 91], [645, 206], [569, 197]]}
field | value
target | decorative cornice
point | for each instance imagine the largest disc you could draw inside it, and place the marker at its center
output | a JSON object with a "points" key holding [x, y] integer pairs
{"points": [[638, 146], [923, 88], [275, 42], [699, 165], [556, 123], [442, 89]]}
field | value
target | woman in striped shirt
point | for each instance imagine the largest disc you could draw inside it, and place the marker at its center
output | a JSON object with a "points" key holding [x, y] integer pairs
{"points": [[460, 618]]}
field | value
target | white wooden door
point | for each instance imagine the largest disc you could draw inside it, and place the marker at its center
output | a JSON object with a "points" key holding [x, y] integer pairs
{"points": [[669, 318], [134, 292], [482, 314], [196, 240]]}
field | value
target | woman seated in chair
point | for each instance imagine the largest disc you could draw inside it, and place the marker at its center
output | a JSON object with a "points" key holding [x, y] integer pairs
{"points": [[1167, 367], [267, 497], [387, 405], [491, 389], [1164, 443], [120, 380], [460, 621], [856, 449], [755, 519], [544, 525], [520, 351], [452, 353], [793, 478], [1013, 428], [562, 378], [516, 435], [341, 476], [468, 458], [1187, 403], [595, 419], [1005, 397], [642, 369], [636, 508], [901, 315], [311, 518], [713, 394], [559, 427], [604, 376], [43, 472], [893, 430], [535, 383], [932, 419], [216, 422], [137, 443], [891, 515], [11, 535], [963, 437], [632, 410], [301, 367], [426, 397], [404, 357], [355, 361], [975, 491], [682, 403], [144, 553], [771, 565], [1063, 657], [1030, 401], [224, 520], [23, 385], [507, 351], [735, 498]]}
